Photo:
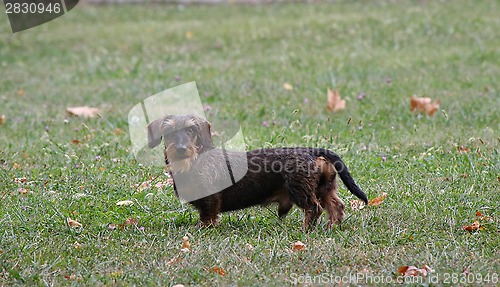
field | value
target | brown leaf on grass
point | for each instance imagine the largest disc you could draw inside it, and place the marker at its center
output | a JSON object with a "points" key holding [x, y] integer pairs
{"points": [[185, 242], [20, 180], [298, 246], [142, 186], [74, 223], [480, 216], [21, 92], [131, 221], [218, 270], [378, 200], [75, 141], [334, 103], [3, 118], [473, 227], [407, 271], [249, 247], [462, 149], [73, 277], [84, 111], [117, 131], [424, 105], [174, 261]]}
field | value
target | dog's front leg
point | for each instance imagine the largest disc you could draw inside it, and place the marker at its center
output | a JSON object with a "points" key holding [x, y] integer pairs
{"points": [[209, 209]]}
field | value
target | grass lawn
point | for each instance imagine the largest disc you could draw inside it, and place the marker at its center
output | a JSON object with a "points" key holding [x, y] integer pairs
{"points": [[437, 171]]}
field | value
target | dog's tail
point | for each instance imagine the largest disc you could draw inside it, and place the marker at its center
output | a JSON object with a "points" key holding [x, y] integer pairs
{"points": [[342, 171]]}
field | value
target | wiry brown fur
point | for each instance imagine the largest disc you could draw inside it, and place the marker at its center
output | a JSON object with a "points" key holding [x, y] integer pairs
{"points": [[302, 176]]}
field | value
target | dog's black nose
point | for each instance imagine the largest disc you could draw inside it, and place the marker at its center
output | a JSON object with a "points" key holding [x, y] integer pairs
{"points": [[180, 150]]}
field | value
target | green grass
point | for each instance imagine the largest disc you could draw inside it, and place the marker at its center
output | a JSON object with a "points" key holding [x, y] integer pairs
{"points": [[240, 57]]}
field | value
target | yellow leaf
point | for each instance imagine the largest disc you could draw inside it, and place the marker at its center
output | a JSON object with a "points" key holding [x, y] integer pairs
{"points": [[84, 111], [287, 87], [125, 203], [334, 103]]}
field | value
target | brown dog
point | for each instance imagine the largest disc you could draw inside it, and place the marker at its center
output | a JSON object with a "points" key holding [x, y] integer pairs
{"points": [[302, 176]]}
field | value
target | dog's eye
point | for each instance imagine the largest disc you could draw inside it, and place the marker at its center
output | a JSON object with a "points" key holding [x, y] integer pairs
{"points": [[191, 130]]}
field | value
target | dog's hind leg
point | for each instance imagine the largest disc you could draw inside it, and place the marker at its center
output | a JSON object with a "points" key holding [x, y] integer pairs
{"points": [[302, 192]]}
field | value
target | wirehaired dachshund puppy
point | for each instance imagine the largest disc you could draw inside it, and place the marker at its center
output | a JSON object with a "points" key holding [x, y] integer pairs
{"points": [[306, 177]]}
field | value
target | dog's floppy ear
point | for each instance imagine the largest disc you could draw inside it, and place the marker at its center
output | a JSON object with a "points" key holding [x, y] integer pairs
{"points": [[205, 136], [156, 131]]}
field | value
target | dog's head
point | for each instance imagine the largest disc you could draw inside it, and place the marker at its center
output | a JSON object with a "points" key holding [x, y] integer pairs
{"points": [[185, 137]]}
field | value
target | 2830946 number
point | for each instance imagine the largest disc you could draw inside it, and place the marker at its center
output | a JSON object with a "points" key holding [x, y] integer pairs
{"points": [[32, 8]]}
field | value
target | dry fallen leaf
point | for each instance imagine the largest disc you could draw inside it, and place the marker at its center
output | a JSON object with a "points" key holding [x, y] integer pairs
{"points": [[125, 203], [131, 221], [165, 183], [218, 270], [20, 180], [334, 102], [377, 200], [483, 217], [298, 246], [356, 204], [143, 186], [84, 111], [117, 131], [73, 277], [3, 118], [22, 190], [462, 149], [287, 87], [185, 242], [424, 105], [74, 223], [174, 260], [415, 271], [473, 227]]}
